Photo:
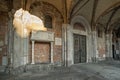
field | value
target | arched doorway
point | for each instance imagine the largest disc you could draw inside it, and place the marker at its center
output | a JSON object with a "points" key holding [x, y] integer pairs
{"points": [[79, 44], [78, 41]]}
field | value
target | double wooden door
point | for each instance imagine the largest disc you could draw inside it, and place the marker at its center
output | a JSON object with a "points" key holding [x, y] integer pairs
{"points": [[79, 48]]}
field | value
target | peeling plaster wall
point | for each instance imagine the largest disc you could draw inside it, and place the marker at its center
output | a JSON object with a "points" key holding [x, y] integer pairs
{"points": [[101, 48], [20, 56], [108, 44]]}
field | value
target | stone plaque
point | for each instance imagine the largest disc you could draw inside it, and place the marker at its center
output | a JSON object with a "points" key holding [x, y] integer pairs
{"points": [[58, 41], [42, 36]]}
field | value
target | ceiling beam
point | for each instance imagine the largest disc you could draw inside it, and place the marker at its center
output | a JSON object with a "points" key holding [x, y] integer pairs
{"points": [[80, 8], [77, 3], [65, 11], [93, 14], [110, 18]]}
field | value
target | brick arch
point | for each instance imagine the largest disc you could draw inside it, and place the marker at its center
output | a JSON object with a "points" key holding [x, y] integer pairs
{"points": [[83, 21], [41, 9], [78, 26], [46, 9]]}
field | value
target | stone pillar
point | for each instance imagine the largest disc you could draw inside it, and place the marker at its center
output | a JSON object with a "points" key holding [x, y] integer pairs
{"points": [[33, 62], [64, 44], [21, 50], [52, 52], [94, 54], [10, 39], [26, 50], [108, 43], [70, 45], [17, 55], [21, 47], [88, 47], [67, 48]]}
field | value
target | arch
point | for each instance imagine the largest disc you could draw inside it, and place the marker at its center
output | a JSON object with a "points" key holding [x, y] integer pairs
{"points": [[107, 11], [79, 26], [70, 37], [113, 25], [82, 20], [48, 21], [46, 8]]}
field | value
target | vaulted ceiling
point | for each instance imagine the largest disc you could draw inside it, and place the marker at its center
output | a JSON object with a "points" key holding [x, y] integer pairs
{"points": [[104, 13]]}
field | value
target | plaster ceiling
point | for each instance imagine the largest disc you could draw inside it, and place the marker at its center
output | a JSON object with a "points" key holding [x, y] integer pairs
{"points": [[99, 13], [95, 11]]}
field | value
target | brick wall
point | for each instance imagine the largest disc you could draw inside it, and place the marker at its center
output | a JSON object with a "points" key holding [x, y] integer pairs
{"points": [[56, 28]]}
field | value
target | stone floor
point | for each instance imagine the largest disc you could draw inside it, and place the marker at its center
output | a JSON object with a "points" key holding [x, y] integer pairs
{"points": [[105, 70]]}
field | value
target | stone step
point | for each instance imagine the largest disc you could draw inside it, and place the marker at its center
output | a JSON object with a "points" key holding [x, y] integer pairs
{"points": [[39, 68], [46, 68]]}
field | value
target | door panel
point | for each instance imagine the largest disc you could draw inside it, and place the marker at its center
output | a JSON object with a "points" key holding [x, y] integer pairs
{"points": [[83, 48], [79, 48], [76, 49], [42, 52]]}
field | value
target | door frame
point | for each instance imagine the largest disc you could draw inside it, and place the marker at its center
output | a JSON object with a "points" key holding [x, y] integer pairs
{"points": [[71, 32]]}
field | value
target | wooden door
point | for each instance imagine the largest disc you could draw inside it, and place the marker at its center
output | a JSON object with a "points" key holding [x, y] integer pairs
{"points": [[42, 52], [79, 48]]}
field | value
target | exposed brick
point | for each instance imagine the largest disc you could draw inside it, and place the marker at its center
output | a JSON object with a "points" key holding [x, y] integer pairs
{"points": [[56, 28]]}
